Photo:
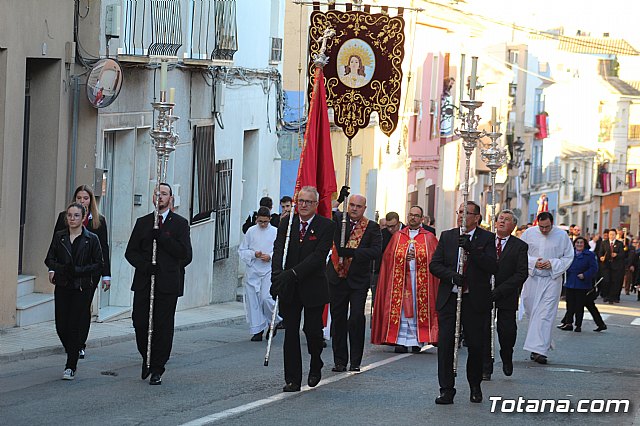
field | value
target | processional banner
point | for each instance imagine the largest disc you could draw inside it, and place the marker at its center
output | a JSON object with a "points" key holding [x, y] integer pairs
{"points": [[365, 69]]}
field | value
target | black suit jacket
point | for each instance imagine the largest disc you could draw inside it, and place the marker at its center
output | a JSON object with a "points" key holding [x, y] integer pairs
{"points": [[101, 232], [481, 264], [173, 255], [614, 264], [307, 258], [368, 250], [513, 270], [429, 228]]}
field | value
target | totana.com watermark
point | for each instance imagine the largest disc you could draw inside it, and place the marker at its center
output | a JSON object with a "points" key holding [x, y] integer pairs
{"points": [[521, 405]]}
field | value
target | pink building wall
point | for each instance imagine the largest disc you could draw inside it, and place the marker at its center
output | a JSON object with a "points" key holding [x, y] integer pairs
{"points": [[424, 135]]}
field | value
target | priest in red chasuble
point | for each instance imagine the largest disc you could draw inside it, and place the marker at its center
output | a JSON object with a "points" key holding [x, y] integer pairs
{"points": [[405, 307]]}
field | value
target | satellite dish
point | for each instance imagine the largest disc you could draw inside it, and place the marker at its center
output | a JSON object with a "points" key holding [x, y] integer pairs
{"points": [[104, 83]]}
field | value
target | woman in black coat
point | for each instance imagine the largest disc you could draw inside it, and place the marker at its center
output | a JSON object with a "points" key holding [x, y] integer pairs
{"points": [[96, 223], [74, 260]]}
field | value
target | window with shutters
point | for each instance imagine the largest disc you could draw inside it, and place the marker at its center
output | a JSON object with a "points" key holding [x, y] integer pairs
{"points": [[203, 174]]}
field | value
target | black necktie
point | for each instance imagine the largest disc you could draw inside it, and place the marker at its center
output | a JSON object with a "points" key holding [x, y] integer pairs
{"points": [[303, 229]]}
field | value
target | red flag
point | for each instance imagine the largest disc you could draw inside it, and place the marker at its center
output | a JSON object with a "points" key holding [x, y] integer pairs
{"points": [[316, 160]]}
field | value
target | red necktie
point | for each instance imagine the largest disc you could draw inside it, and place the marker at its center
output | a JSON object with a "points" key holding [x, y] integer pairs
{"points": [[159, 221], [303, 229], [499, 247]]}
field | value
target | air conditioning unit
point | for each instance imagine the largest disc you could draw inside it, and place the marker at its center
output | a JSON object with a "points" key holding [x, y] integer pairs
{"points": [[276, 50], [112, 21]]}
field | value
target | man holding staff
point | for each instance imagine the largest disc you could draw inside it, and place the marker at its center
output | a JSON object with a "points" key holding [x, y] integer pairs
{"points": [[349, 274], [476, 298], [173, 255], [302, 284]]}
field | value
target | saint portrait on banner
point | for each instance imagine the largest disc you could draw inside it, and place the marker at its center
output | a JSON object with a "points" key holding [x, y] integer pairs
{"points": [[356, 63]]}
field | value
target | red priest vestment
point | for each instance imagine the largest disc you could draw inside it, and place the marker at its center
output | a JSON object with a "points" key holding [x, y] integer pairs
{"points": [[395, 280]]}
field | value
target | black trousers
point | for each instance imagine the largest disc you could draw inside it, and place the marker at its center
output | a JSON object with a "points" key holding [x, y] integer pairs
{"points": [[612, 283], [473, 323], [313, 331], [576, 299], [590, 304], [164, 312], [507, 330], [86, 322], [71, 307], [615, 287], [344, 301]]}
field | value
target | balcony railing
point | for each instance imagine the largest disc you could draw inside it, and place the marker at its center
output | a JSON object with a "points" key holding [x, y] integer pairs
{"points": [[151, 28], [212, 30], [155, 28]]}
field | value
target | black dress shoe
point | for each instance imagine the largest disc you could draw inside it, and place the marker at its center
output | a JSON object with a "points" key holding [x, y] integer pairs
{"points": [[399, 349], [354, 368], [476, 394], [280, 325], [540, 359], [578, 329], [145, 371], [507, 367], [416, 349], [486, 377], [339, 368], [257, 337], [156, 379], [600, 328], [566, 327], [532, 356], [446, 397], [314, 379], [291, 387]]}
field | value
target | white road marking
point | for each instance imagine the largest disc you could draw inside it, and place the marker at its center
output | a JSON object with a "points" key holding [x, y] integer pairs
{"points": [[231, 412], [588, 316], [635, 321]]}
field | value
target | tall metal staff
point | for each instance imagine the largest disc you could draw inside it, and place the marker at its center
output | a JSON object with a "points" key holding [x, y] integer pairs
{"points": [[470, 135], [165, 138], [494, 157], [319, 60]]}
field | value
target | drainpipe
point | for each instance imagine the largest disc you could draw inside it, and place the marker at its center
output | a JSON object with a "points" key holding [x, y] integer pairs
{"points": [[75, 81]]}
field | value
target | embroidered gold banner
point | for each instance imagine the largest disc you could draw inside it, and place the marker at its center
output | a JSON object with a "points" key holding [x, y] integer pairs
{"points": [[364, 73]]}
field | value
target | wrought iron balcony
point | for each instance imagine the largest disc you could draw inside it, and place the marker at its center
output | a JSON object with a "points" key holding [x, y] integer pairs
{"points": [[212, 30], [151, 28], [157, 28]]}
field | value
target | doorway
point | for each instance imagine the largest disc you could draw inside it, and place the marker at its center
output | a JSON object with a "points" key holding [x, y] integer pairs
{"points": [[104, 187]]}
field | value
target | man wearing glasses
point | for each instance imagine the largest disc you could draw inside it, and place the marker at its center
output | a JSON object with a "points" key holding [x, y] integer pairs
{"points": [[349, 275], [302, 285], [255, 251], [475, 284], [404, 313]]}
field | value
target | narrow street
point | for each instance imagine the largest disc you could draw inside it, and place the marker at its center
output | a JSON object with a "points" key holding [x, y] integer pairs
{"points": [[216, 375]]}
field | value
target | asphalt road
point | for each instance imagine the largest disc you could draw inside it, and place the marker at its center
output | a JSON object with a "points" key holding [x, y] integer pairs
{"points": [[217, 375]]}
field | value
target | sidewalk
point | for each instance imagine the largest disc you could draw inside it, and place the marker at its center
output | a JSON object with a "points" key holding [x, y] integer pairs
{"points": [[41, 339]]}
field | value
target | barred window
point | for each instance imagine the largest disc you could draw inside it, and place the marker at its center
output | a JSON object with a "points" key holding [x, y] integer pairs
{"points": [[203, 176], [224, 173]]}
